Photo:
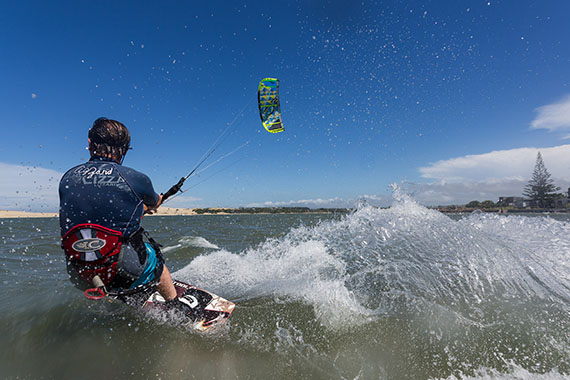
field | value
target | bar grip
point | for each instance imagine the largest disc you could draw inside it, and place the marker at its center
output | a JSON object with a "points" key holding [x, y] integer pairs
{"points": [[174, 189]]}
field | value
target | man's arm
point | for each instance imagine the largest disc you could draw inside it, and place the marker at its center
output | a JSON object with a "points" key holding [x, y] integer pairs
{"points": [[152, 209], [142, 186]]}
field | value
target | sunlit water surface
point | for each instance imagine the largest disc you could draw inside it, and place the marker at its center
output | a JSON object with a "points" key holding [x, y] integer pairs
{"points": [[398, 293]]}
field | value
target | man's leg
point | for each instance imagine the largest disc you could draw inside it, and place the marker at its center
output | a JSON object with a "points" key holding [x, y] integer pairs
{"points": [[165, 286]]}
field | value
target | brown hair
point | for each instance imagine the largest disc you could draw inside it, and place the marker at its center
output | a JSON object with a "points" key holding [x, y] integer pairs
{"points": [[109, 138]]}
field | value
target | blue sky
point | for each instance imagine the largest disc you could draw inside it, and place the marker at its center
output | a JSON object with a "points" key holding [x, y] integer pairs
{"points": [[450, 100]]}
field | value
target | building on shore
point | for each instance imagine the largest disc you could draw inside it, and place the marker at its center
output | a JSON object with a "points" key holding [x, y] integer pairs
{"points": [[510, 201], [520, 202], [561, 202]]}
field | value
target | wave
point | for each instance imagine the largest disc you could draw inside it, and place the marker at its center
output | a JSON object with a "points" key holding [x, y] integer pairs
{"points": [[190, 241], [377, 262]]}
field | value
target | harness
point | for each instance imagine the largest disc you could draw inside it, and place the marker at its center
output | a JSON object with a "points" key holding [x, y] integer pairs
{"points": [[96, 254]]}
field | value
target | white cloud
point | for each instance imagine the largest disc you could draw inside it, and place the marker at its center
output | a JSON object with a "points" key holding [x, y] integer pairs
{"points": [[326, 203], [302, 203], [511, 164], [489, 175], [28, 188], [553, 117], [446, 193], [373, 198]]}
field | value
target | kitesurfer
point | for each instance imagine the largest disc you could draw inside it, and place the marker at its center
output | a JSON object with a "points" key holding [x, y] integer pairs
{"points": [[102, 204]]}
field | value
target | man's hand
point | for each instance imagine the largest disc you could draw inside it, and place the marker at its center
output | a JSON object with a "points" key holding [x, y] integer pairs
{"points": [[153, 209]]}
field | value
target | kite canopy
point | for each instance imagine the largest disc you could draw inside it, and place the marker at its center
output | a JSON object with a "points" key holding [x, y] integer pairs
{"points": [[269, 107]]}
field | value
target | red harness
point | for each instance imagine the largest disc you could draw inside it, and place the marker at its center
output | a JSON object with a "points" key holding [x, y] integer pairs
{"points": [[94, 251]]}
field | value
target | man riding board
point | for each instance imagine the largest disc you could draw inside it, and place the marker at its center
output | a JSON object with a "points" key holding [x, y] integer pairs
{"points": [[102, 204]]}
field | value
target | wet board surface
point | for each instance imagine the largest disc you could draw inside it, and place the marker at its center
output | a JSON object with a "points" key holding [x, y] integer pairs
{"points": [[202, 311]]}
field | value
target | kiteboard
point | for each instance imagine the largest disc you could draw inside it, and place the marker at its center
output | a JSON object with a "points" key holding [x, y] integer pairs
{"points": [[204, 309], [196, 309]]}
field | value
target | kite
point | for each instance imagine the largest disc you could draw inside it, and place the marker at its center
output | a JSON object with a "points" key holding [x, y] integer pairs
{"points": [[269, 107]]}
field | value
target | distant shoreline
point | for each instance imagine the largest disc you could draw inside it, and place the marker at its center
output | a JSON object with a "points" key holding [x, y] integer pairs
{"points": [[170, 211], [5, 214]]}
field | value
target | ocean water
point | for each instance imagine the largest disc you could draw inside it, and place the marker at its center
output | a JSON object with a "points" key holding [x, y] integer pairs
{"points": [[398, 293]]}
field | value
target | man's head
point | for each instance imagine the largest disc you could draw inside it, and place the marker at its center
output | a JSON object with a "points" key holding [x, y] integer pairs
{"points": [[109, 138]]}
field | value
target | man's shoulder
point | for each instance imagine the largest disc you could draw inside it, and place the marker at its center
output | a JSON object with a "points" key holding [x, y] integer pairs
{"points": [[73, 169], [128, 171], [138, 180]]}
